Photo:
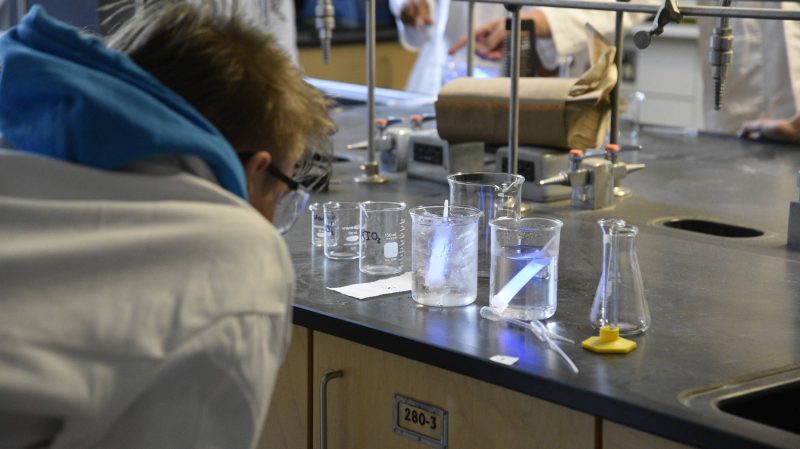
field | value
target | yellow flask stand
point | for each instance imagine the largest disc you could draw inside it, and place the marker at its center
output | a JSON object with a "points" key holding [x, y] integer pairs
{"points": [[609, 342]]}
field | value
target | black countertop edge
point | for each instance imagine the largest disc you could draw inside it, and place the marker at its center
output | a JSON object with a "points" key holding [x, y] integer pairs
{"points": [[663, 424]]}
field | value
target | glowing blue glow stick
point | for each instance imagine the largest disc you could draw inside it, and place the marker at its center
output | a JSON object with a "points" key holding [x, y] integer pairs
{"points": [[435, 275], [506, 294], [503, 297]]}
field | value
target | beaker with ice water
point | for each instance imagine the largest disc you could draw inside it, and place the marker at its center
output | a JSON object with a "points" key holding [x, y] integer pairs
{"points": [[444, 250]]}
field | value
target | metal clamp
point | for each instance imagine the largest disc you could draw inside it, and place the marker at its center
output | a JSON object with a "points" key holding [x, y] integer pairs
{"points": [[323, 406], [669, 12]]}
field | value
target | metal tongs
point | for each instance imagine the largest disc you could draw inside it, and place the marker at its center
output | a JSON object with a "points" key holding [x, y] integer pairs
{"points": [[538, 328]]}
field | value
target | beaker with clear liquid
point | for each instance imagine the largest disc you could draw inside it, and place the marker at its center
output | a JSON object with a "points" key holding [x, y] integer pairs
{"points": [[444, 249], [524, 279], [623, 303]]}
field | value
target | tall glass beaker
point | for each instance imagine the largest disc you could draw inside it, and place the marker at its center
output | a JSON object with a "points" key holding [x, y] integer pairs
{"points": [[624, 304], [606, 224], [496, 195]]}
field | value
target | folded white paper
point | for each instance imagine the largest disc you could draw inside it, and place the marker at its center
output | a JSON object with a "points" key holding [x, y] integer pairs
{"points": [[396, 284]]}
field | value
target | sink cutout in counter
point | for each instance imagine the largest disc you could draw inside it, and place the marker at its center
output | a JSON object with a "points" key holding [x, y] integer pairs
{"points": [[712, 228], [770, 398], [778, 406]]}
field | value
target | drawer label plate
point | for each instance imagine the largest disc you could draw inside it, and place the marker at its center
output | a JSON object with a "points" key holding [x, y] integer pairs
{"points": [[419, 421]]}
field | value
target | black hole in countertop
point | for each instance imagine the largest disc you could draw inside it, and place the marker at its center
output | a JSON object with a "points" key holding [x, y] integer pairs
{"points": [[777, 406], [713, 228]]}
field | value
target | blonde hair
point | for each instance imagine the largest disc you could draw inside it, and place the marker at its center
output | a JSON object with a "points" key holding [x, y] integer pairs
{"points": [[234, 74]]}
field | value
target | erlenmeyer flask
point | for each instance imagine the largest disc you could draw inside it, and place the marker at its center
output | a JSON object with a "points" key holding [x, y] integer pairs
{"points": [[595, 317], [624, 304]]}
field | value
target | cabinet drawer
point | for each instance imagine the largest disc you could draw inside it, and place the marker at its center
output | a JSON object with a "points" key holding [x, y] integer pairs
{"points": [[480, 415]]}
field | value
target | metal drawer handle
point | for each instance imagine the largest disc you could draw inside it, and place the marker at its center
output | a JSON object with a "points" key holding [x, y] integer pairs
{"points": [[323, 406]]}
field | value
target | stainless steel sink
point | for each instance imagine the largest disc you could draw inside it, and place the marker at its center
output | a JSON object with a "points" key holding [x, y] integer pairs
{"points": [[771, 399]]}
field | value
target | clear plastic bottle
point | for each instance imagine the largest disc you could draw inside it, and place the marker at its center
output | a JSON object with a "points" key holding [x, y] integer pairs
{"points": [[623, 301]]}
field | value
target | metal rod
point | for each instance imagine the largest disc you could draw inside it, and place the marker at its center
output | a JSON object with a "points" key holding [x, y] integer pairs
{"points": [[694, 11], [371, 82], [470, 37], [618, 37], [22, 8], [513, 107]]}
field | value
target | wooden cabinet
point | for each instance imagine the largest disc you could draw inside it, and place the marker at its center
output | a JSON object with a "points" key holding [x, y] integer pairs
{"points": [[393, 63], [617, 436], [479, 415], [287, 423], [360, 405]]}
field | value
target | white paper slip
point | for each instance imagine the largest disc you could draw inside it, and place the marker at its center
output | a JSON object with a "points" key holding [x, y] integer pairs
{"points": [[504, 359], [396, 284]]}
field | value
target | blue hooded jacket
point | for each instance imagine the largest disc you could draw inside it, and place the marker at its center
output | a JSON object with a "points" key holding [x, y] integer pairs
{"points": [[70, 97]]}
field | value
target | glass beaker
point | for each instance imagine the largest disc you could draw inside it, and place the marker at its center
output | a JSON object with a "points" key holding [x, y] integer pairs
{"points": [[524, 277], [383, 235], [341, 229], [605, 227], [444, 250], [497, 195], [624, 304], [317, 225]]}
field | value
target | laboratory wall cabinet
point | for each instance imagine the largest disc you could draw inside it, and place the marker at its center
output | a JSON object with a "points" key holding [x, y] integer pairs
{"points": [[379, 391]]}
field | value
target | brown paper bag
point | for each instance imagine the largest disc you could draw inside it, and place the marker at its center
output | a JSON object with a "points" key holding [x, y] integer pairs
{"points": [[553, 112]]}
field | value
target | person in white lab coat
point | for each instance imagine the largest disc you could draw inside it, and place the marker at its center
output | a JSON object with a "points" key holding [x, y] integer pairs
{"points": [[438, 27], [762, 81], [146, 297], [764, 77]]}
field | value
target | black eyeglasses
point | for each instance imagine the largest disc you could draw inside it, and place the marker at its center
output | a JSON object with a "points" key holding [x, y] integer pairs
{"points": [[271, 169], [292, 204]]}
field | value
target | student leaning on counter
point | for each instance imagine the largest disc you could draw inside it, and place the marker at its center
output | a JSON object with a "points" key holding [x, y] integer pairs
{"points": [[145, 297]]}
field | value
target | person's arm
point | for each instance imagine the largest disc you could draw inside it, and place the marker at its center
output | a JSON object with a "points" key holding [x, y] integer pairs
{"points": [[779, 130], [413, 18], [489, 36], [566, 28]]}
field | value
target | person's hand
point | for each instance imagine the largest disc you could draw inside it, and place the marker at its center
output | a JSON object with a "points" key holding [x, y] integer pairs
{"points": [[416, 13], [772, 129], [489, 36], [488, 40]]}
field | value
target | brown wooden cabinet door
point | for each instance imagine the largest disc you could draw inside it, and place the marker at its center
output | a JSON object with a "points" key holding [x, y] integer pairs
{"points": [[480, 415], [617, 436], [287, 423]]}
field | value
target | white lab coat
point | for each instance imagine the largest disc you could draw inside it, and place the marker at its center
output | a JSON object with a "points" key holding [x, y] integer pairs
{"points": [[762, 81], [277, 16], [136, 310], [764, 77], [450, 23]]}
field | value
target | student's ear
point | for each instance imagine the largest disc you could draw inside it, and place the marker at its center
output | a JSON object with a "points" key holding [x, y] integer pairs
{"points": [[255, 170]]}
